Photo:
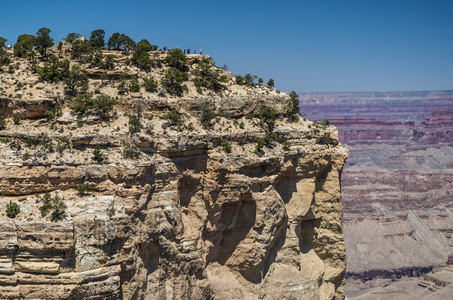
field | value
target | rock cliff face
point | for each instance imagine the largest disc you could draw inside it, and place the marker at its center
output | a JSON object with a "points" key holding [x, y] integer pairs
{"points": [[185, 220]]}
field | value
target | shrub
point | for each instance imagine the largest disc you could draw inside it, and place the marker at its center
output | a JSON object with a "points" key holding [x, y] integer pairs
{"points": [[172, 82], [134, 86], [134, 124], [207, 116], [12, 209], [324, 122], [150, 84], [54, 70], [286, 144], [269, 138], [226, 146], [54, 204], [82, 189], [239, 79], [76, 81], [174, 118], [130, 150], [98, 156], [2, 123], [259, 146], [270, 83], [292, 111], [16, 119], [267, 116], [82, 103], [104, 104], [11, 69], [177, 59], [208, 76]]}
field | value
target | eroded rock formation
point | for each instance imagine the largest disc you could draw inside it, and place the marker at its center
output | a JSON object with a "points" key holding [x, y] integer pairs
{"points": [[185, 220]]}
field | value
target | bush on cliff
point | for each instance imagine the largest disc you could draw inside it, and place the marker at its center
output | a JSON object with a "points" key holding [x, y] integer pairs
{"points": [[76, 81], [267, 116], [43, 41], [292, 111], [55, 205], [172, 82], [174, 118], [12, 209], [54, 70], [208, 76]]}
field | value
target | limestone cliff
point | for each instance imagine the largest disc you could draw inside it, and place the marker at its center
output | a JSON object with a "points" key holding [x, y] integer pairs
{"points": [[183, 219]]}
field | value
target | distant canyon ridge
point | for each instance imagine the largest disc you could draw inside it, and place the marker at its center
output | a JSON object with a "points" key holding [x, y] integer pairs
{"points": [[397, 184]]}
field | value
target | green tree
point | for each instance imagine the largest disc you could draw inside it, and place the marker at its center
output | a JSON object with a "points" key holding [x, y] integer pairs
{"points": [[208, 76], [81, 48], [103, 104], [98, 156], [2, 123], [109, 62], [134, 124], [97, 38], [43, 40], [150, 84], [24, 44], [172, 82], [54, 70], [270, 83], [54, 204], [267, 116], [292, 110], [177, 59], [12, 209], [174, 118], [72, 37], [120, 42], [226, 146], [76, 82], [2, 42], [82, 188], [134, 86], [4, 57], [206, 116], [260, 81], [140, 55], [82, 103]]}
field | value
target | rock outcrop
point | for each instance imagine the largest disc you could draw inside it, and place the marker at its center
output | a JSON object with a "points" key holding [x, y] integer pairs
{"points": [[185, 219]]}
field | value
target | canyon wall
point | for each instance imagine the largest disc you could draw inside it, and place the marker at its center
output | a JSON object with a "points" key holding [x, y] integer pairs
{"points": [[169, 212]]}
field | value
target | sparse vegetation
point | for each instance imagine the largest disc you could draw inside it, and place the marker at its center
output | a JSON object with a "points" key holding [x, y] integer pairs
{"points": [[82, 189], [130, 150], [207, 116], [54, 204], [135, 125], [174, 118], [226, 146], [12, 209], [292, 111], [208, 76], [16, 119], [2, 123], [98, 156], [267, 116]]}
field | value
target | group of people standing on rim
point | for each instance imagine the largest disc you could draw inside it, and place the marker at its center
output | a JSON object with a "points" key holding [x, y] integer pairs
{"points": [[185, 51]]}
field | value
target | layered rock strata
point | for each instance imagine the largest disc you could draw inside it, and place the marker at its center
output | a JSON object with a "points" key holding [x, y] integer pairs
{"points": [[185, 220]]}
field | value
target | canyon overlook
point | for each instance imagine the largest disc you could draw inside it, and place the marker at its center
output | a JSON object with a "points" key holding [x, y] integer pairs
{"points": [[166, 209], [396, 186]]}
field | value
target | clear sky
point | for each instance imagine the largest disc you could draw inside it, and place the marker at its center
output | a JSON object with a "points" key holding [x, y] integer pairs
{"points": [[306, 46]]}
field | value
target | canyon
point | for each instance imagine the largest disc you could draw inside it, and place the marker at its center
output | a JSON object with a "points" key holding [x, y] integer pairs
{"points": [[397, 185], [165, 197]]}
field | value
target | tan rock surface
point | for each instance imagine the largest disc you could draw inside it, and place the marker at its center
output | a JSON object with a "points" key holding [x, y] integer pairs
{"points": [[185, 220]]}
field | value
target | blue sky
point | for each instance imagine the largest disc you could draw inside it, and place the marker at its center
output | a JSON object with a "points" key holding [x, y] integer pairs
{"points": [[306, 46]]}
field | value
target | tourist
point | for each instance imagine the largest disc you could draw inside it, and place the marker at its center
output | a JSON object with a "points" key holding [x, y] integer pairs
{"points": [[201, 52], [188, 51]]}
